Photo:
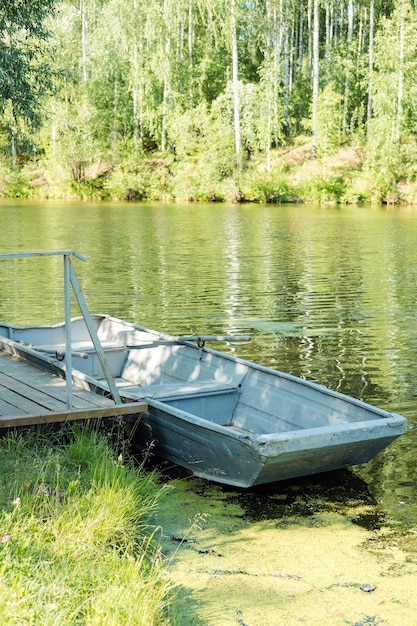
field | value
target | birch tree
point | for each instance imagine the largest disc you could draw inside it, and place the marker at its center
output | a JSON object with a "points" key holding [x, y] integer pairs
{"points": [[315, 44], [393, 127], [400, 72], [138, 69], [347, 65], [235, 82], [370, 64]]}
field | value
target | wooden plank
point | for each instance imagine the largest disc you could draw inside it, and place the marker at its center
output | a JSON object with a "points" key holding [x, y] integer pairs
{"points": [[43, 399], [83, 396], [13, 404], [45, 388], [21, 370], [20, 404], [30, 395], [34, 374], [28, 390], [24, 404], [90, 398], [9, 409], [66, 416], [5, 358]]}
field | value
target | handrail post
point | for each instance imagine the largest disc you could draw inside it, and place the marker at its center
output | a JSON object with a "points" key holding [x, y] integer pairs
{"points": [[68, 338], [94, 337], [71, 280]]}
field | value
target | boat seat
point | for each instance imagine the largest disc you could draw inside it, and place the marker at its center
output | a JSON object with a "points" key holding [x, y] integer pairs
{"points": [[174, 390], [85, 358], [80, 346]]}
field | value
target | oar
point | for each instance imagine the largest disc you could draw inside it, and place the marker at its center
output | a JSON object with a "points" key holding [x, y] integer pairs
{"points": [[204, 338], [200, 339]]}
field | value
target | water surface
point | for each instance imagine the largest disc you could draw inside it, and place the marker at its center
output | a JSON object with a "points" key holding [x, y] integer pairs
{"points": [[328, 294]]}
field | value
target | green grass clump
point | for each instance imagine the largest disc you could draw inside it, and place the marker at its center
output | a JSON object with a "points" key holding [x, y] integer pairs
{"points": [[76, 539]]}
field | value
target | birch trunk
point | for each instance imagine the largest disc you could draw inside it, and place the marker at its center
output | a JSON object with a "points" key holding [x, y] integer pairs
{"points": [[190, 52], [115, 109], [84, 39], [310, 39], [166, 83], [316, 17], [235, 81], [370, 65], [348, 61], [401, 74]]}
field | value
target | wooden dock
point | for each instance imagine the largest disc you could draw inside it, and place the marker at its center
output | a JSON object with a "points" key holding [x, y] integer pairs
{"points": [[30, 395]]}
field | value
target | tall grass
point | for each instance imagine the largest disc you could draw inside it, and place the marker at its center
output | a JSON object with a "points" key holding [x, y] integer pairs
{"points": [[76, 539]]}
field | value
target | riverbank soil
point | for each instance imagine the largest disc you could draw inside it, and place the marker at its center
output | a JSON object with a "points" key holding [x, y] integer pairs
{"points": [[283, 556]]}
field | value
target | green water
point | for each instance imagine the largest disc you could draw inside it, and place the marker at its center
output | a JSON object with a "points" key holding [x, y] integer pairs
{"points": [[328, 294]]}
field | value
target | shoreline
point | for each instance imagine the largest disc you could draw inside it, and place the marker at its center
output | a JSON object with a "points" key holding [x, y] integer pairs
{"points": [[291, 175]]}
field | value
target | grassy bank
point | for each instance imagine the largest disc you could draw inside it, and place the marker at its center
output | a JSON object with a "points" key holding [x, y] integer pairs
{"points": [[76, 539], [290, 174]]}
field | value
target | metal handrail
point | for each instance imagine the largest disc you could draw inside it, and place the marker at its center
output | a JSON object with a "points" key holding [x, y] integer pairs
{"points": [[22, 255], [71, 280]]}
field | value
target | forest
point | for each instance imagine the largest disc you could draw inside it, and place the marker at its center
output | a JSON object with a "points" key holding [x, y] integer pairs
{"points": [[209, 100]]}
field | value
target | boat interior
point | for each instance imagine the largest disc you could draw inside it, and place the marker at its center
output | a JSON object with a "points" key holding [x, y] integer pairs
{"points": [[210, 385]]}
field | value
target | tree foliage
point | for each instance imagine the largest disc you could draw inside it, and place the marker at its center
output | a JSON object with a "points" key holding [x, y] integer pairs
{"points": [[134, 76], [25, 73]]}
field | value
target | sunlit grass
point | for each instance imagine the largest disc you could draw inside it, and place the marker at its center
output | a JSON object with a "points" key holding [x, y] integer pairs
{"points": [[76, 539]]}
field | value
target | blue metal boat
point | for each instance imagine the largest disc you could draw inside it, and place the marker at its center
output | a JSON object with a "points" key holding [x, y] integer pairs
{"points": [[223, 418]]}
